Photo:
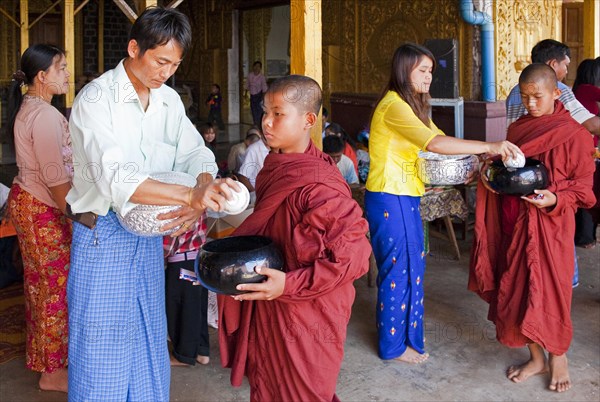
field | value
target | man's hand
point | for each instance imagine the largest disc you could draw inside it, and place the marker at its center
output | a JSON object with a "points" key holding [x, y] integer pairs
{"points": [[213, 195], [270, 289], [185, 217]]}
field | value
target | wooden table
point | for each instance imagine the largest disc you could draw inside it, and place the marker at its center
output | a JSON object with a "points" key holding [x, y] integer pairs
{"points": [[443, 203]]}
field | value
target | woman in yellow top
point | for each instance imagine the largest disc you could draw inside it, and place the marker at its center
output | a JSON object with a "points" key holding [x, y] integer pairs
{"points": [[400, 128]]}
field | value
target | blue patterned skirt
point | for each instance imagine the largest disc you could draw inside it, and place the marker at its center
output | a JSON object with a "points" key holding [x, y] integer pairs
{"points": [[396, 233], [118, 332]]}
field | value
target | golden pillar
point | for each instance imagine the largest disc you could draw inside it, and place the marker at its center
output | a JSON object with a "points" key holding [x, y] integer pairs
{"points": [[69, 24], [24, 12], [591, 29], [100, 36], [306, 47]]}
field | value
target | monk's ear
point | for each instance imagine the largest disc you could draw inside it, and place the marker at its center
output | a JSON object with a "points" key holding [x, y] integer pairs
{"points": [[556, 94], [311, 119]]}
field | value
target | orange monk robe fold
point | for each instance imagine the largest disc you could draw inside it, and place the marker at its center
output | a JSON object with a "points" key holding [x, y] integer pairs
{"points": [[291, 348], [527, 277]]}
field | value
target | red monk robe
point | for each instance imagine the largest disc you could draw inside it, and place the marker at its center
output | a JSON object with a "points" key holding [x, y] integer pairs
{"points": [[291, 348], [526, 277]]}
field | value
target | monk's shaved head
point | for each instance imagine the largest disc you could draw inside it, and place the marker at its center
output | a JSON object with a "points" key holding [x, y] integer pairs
{"points": [[303, 92], [539, 73]]}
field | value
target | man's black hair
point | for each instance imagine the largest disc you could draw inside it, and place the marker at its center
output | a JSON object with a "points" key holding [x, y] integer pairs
{"points": [[333, 144], [549, 49], [156, 26]]}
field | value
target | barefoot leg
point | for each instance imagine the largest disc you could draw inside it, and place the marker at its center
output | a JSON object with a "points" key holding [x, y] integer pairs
{"points": [[203, 359], [55, 381], [559, 373], [412, 356], [535, 365]]}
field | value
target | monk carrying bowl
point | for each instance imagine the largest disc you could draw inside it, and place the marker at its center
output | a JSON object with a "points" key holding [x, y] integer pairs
{"points": [[515, 181], [223, 264]]}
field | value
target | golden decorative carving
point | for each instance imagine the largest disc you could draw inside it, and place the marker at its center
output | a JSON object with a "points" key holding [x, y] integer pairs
{"points": [[469, 82], [257, 24], [368, 32], [520, 24]]}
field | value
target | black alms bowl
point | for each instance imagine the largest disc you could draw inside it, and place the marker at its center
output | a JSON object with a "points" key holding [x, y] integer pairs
{"points": [[223, 264], [515, 181]]}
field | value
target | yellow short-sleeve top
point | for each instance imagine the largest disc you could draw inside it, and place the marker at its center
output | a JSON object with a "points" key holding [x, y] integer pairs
{"points": [[395, 138]]}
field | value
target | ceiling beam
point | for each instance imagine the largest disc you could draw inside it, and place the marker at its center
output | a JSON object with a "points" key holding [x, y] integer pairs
{"points": [[174, 3], [129, 13], [44, 13], [78, 9], [10, 18]]}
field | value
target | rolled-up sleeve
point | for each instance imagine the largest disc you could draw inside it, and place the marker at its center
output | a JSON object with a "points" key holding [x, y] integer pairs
{"points": [[192, 155]]}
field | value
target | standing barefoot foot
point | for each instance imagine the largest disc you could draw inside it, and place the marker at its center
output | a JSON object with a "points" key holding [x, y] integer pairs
{"points": [[202, 359], [521, 372], [535, 365], [412, 356], [56, 381], [559, 373]]}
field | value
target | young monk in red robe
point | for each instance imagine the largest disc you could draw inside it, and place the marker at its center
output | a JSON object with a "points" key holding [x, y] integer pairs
{"points": [[523, 256], [287, 334]]}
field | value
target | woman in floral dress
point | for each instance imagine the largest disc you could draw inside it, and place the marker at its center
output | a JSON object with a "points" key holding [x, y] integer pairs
{"points": [[37, 207]]}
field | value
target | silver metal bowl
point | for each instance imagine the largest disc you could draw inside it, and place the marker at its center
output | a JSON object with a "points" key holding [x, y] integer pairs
{"points": [[446, 170], [142, 221]]}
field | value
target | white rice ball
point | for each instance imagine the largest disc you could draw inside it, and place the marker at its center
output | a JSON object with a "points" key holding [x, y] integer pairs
{"points": [[240, 201], [517, 162]]}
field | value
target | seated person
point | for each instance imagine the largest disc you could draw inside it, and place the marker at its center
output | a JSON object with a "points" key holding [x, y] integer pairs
{"points": [[362, 155], [334, 147], [349, 145], [207, 131], [238, 151], [326, 123]]}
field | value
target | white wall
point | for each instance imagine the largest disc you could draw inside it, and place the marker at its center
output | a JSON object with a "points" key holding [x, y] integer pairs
{"points": [[233, 79], [279, 36]]}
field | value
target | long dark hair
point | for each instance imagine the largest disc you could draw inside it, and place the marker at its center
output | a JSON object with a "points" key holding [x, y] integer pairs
{"points": [[588, 72], [405, 60], [35, 59]]}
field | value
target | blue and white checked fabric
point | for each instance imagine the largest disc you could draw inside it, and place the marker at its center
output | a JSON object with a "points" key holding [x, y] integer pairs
{"points": [[117, 344]]}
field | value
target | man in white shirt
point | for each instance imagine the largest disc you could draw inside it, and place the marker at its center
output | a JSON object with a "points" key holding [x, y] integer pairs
{"points": [[126, 125], [556, 55], [334, 147]]}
